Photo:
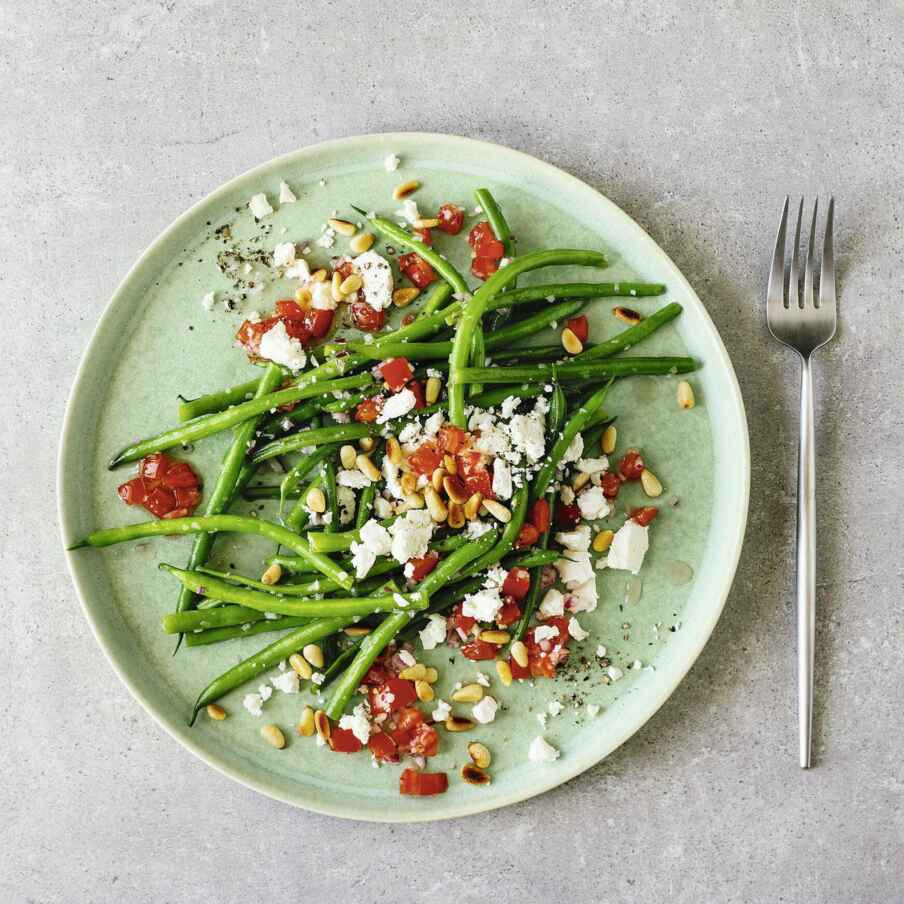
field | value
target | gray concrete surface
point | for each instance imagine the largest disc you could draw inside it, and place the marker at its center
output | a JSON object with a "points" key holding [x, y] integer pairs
{"points": [[696, 118]]}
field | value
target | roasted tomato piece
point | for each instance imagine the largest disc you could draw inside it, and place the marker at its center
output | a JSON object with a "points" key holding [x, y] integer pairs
{"points": [[451, 439], [424, 741], [484, 267], [417, 270], [631, 465], [479, 650], [579, 326], [459, 620], [425, 459], [382, 746], [396, 372], [286, 309], [369, 410], [516, 583], [160, 501], [376, 675], [318, 322], [420, 398], [610, 484], [567, 516], [133, 492], [484, 242], [421, 784], [527, 536], [392, 696], [451, 218], [539, 515], [249, 334], [187, 497], [167, 488], [343, 740], [423, 235], [180, 475], [472, 469], [365, 318], [644, 515], [423, 566], [154, 466], [509, 613], [545, 657], [519, 671]]}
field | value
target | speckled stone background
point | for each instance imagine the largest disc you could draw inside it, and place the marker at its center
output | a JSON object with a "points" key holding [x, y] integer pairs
{"points": [[696, 118]]}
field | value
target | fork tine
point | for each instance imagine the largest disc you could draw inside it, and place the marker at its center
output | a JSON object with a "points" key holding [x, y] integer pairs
{"points": [[794, 278], [775, 294], [827, 270], [809, 298]]}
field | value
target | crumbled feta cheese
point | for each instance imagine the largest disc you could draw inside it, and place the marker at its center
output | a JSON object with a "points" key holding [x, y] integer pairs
{"points": [[409, 211], [476, 529], [391, 163], [484, 605], [593, 504], [411, 535], [318, 678], [542, 719], [347, 503], [287, 682], [254, 703], [406, 658], [284, 254], [614, 673], [328, 239], [299, 269], [286, 195], [629, 546], [400, 600], [354, 479], [397, 405], [541, 751], [485, 711], [593, 710], [545, 632], [482, 679], [583, 597], [391, 476], [442, 712], [322, 296], [279, 347], [376, 278], [509, 406], [260, 206], [208, 301], [382, 508], [435, 632], [553, 604], [574, 450], [554, 707], [637, 665], [502, 479], [527, 433], [433, 424], [358, 723], [376, 538], [575, 629], [577, 540], [601, 651], [576, 570], [593, 465]]}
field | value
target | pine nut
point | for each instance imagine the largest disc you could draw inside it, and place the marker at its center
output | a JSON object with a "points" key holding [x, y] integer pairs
{"points": [[343, 227], [306, 722], [217, 713], [431, 676], [650, 483], [603, 540], [474, 775], [401, 298], [273, 735], [403, 189], [435, 505], [610, 436], [470, 693], [436, 479], [450, 464], [367, 467], [335, 289], [315, 500], [424, 692], [459, 723], [394, 450], [313, 654], [433, 389], [367, 443], [479, 754], [472, 506], [351, 284], [456, 490], [685, 395], [456, 519], [499, 638], [504, 671], [303, 296], [356, 631], [426, 223], [272, 574], [322, 724], [628, 315], [361, 242], [497, 510], [519, 653], [408, 482], [319, 275], [414, 501], [581, 479], [348, 455], [570, 342], [301, 666], [414, 672]]}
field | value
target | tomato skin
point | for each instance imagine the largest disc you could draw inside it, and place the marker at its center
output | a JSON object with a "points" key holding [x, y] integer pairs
{"points": [[249, 334], [417, 270], [423, 235], [519, 671], [396, 372], [343, 740], [376, 675], [580, 327], [544, 662], [423, 566], [319, 322], [421, 784], [133, 492], [484, 242], [451, 218], [369, 410], [567, 516], [517, 583], [287, 309], [382, 747], [160, 501], [425, 459], [451, 439], [509, 613], [610, 485], [165, 487], [402, 692], [631, 465], [459, 620], [472, 469], [420, 399], [540, 515], [187, 497], [527, 536], [484, 267], [478, 650], [154, 466], [180, 476], [365, 318], [644, 515]]}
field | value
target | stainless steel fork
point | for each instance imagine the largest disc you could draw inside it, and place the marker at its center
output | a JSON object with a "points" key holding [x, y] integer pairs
{"points": [[804, 318]]}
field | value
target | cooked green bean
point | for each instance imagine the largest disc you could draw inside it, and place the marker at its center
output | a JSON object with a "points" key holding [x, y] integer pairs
{"points": [[337, 433], [478, 359], [302, 468], [248, 629], [331, 491], [203, 619], [509, 534], [631, 336], [436, 299], [323, 542], [561, 291], [613, 367], [189, 409], [298, 518]]}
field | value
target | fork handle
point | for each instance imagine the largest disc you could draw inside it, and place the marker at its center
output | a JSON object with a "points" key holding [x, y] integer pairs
{"points": [[806, 563]]}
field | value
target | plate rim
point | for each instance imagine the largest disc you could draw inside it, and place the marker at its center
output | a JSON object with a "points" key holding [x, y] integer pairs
{"points": [[576, 764]]}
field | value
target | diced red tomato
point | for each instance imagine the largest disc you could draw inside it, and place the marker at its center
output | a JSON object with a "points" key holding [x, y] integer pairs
{"points": [[417, 270], [519, 671], [451, 218], [421, 784], [424, 565], [539, 515], [396, 372], [631, 465], [460, 620], [484, 267], [165, 487], [249, 334], [423, 235], [567, 516], [343, 740], [420, 399], [472, 469], [424, 741], [509, 613], [298, 329], [344, 266], [382, 746], [160, 501], [544, 658], [133, 492], [517, 583], [180, 475], [451, 439], [484, 242], [527, 536], [187, 497], [478, 650], [287, 309], [154, 466], [365, 318], [579, 326], [369, 410], [610, 484], [319, 322], [376, 675], [644, 515], [425, 459], [392, 696]]}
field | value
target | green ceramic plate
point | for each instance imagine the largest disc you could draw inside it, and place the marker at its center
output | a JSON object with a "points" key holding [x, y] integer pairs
{"points": [[156, 341]]}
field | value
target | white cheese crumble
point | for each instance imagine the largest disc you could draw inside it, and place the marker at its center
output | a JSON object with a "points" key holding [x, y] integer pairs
{"points": [[397, 405], [299, 269], [358, 723], [281, 348], [593, 504], [502, 479], [554, 707], [376, 278], [600, 651], [321, 296], [593, 465], [575, 629], [476, 529], [347, 504], [629, 546], [391, 163], [409, 211], [527, 431], [284, 254], [287, 682], [574, 450], [435, 632], [356, 480], [411, 535], [541, 751], [260, 206], [583, 597], [442, 712], [253, 703], [575, 570], [328, 239], [208, 301], [286, 195], [577, 540], [553, 604], [485, 711], [545, 632]]}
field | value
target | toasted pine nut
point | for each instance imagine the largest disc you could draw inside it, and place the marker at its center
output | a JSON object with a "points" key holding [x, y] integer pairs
{"points": [[273, 735], [433, 389], [456, 517], [306, 723], [628, 315], [394, 450], [347, 455], [303, 296], [470, 693], [455, 490], [335, 285], [356, 631], [459, 723], [431, 676], [435, 505], [217, 713], [313, 654], [322, 724], [603, 540], [610, 436], [343, 227], [301, 666], [361, 242], [497, 510], [479, 754], [414, 500], [315, 500], [401, 298], [472, 506], [436, 479], [581, 479], [403, 189], [319, 275], [504, 671], [474, 775], [450, 464], [499, 638], [426, 223], [367, 467], [685, 395], [650, 483], [408, 482], [570, 342], [519, 653], [272, 574], [367, 443], [414, 672], [424, 692], [351, 284]]}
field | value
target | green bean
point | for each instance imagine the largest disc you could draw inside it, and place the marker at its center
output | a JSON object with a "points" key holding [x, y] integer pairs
{"points": [[336, 433], [534, 353], [282, 421], [560, 291], [248, 629], [189, 409], [320, 585], [202, 619], [509, 534], [215, 524], [267, 491], [365, 505], [614, 367], [474, 310], [436, 299], [298, 518], [497, 221], [536, 578], [631, 336], [302, 468], [214, 423], [558, 409], [264, 659], [331, 491], [390, 230], [338, 542], [478, 358], [337, 666], [532, 558]]}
